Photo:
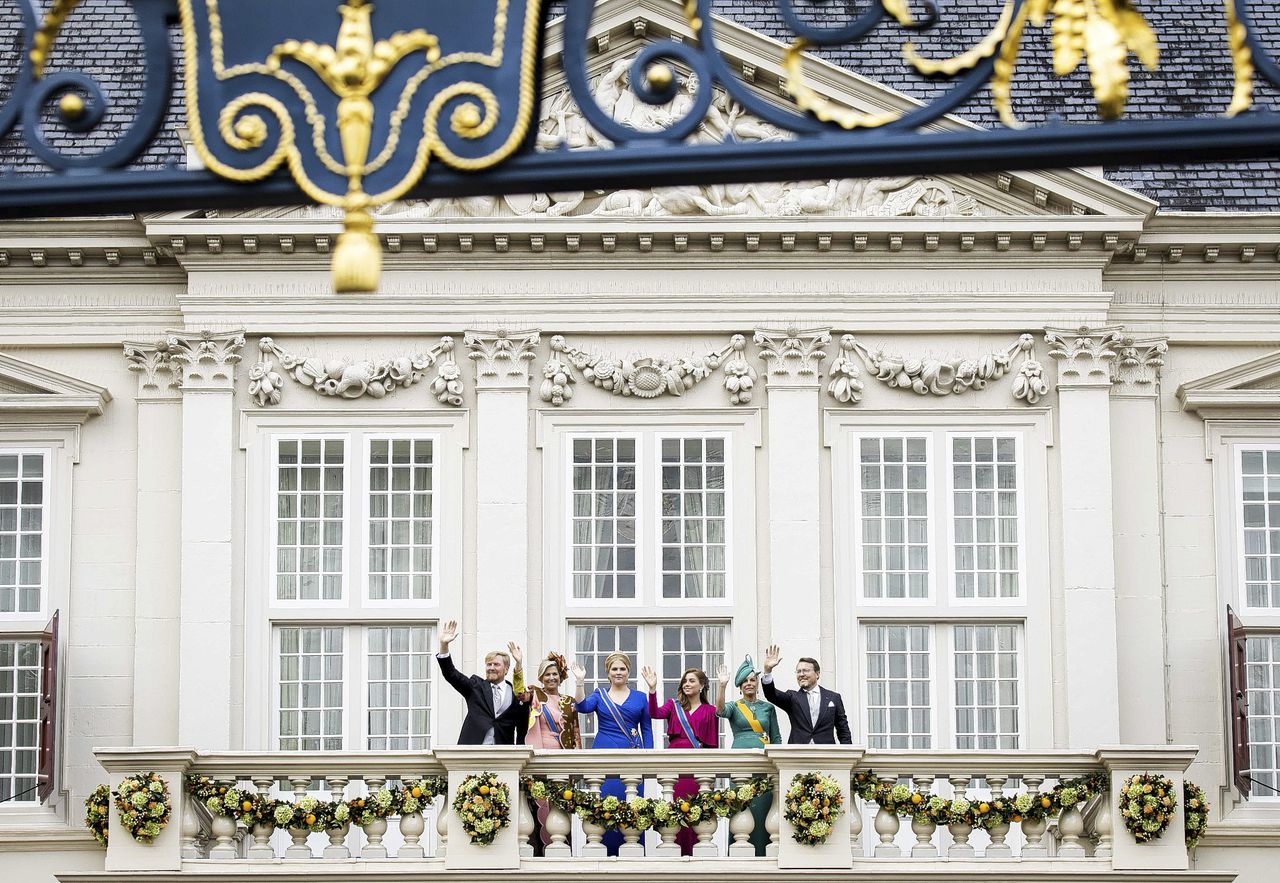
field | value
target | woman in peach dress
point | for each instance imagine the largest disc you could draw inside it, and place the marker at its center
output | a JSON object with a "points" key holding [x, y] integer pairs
{"points": [[553, 724]]}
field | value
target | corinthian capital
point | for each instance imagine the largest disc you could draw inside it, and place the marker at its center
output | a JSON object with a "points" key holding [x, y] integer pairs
{"points": [[158, 374], [1139, 361], [1084, 354], [793, 357], [207, 361], [501, 357]]}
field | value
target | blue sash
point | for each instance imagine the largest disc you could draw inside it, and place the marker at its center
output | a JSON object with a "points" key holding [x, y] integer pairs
{"points": [[683, 719], [631, 733], [551, 722]]}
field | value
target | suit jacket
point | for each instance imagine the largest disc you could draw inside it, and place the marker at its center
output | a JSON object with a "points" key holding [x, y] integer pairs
{"points": [[508, 728], [833, 724]]}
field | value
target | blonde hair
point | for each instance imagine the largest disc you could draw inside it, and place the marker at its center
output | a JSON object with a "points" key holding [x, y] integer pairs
{"points": [[609, 660], [498, 654]]}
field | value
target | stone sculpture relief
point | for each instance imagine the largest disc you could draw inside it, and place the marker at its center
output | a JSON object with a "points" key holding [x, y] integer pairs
{"points": [[563, 127], [934, 376], [352, 379], [646, 377]]}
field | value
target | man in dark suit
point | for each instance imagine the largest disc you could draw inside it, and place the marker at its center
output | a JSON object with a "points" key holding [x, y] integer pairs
{"points": [[495, 714], [817, 715]]}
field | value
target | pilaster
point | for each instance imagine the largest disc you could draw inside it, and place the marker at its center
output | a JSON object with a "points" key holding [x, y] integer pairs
{"points": [[157, 562], [208, 364], [1136, 487], [1085, 356], [502, 360], [793, 361]]}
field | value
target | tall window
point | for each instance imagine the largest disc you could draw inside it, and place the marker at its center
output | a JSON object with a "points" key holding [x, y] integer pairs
{"points": [[24, 491], [939, 588], [1260, 526], [19, 719], [354, 571], [1262, 671]]}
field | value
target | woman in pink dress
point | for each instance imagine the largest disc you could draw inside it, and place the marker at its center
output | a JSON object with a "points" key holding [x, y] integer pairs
{"points": [[553, 724], [691, 723]]}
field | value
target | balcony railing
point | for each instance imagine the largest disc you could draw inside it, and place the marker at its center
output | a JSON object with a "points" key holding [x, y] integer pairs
{"points": [[1087, 838]]}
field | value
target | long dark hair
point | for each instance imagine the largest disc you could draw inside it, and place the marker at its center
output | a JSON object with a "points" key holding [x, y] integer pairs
{"points": [[702, 679]]}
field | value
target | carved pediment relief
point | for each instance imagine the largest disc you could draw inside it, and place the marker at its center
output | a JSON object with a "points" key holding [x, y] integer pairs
{"points": [[1251, 389], [27, 389]]}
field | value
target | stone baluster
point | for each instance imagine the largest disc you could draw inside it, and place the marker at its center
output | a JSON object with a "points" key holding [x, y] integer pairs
{"points": [[923, 828], [1070, 829], [559, 826], [337, 848], [706, 827], [631, 846], [998, 848], [524, 823], [1099, 825], [960, 831], [442, 826], [594, 847], [855, 822], [667, 846], [412, 827], [1033, 827], [224, 831], [741, 826], [261, 849], [190, 832], [377, 828], [298, 830], [773, 821], [887, 826]]}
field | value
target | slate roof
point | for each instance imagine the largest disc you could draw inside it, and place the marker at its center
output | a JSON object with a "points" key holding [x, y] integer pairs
{"points": [[1194, 80]]}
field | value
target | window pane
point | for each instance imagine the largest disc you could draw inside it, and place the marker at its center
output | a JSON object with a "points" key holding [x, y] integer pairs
{"points": [[691, 646], [19, 717], [22, 537], [893, 496], [401, 525], [986, 686], [310, 698], [399, 688], [898, 687], [603, 487], [592, 644], [693, 511], [309, 524], [984, 497], [1262, 668], [1260, 524]]}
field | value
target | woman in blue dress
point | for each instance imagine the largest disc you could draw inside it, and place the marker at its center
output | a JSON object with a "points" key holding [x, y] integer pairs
{"points": [[622, 721]]}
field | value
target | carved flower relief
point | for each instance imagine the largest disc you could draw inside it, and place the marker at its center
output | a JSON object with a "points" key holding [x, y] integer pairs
{"points": [[557, 382], [846, 380], [265, 383]]}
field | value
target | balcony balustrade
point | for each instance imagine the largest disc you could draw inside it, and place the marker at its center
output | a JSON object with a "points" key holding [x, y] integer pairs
{"points": [[1084, 841]]}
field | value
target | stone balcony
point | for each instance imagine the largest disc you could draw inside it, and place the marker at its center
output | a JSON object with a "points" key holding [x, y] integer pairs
{"points": [[1086, 842]]}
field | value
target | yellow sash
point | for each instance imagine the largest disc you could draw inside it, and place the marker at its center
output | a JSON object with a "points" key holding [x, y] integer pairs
{"points": [[751, 719]]}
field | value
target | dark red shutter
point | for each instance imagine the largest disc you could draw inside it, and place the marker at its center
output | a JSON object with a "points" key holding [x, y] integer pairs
{"points": [[1239, 702], [48, 707]]}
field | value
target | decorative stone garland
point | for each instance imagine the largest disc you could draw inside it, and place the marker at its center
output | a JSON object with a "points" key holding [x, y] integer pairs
{"points": [[811, 806], [348, 379], [1147, 804], [483, 805], [644, 813], [143, 804]]}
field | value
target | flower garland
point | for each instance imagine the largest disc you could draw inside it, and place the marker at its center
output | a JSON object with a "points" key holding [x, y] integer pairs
{"points": [[484, 806], [142, 802], [990, 813], [813, 803], [644, 813], [1147, 803], [1197, 813], [97, 812]]}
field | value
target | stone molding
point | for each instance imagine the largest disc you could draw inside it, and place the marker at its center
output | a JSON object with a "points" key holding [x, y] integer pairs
{"points": [[646, 377], [208, 362], [1085, 355], [793, 357], [353, 379], [502, 357]]}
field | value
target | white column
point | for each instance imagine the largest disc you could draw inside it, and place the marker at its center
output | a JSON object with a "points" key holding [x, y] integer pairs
{"points": [[208, 423], [157, 567], [502, 487], [1088, 561], [1135, 421], [793, 359]]}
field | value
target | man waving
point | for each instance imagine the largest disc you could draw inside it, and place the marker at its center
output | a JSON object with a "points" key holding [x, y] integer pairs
{"points": [[817, 715], [496, 715]]}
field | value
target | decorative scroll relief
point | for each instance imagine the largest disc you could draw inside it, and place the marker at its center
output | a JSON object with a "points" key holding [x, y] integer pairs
{"points": [[646, 377], [352, 379], [937, 377]]}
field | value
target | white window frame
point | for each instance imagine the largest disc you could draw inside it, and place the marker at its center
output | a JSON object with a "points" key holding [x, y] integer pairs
{"points": [[953, 598], [450, 433], [362, 509], [1033, 428]]}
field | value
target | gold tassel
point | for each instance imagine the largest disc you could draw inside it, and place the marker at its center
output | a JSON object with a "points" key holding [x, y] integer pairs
{"points": [[357, 258]]}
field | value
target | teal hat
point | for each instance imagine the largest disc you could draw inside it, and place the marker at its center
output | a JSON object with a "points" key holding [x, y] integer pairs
{"points": [[746, 670]]}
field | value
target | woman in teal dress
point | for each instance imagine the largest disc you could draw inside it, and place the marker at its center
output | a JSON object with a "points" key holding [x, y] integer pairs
{"points": [[754, 724]]}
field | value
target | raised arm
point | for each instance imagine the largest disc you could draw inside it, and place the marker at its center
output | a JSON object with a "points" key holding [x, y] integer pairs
{"points": [[456, 679], [723, 676], [772, 656], [579, 687], [656, 711]]}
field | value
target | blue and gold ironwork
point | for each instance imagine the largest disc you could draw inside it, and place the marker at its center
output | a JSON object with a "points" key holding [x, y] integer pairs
{"points": [[360, 103]]}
